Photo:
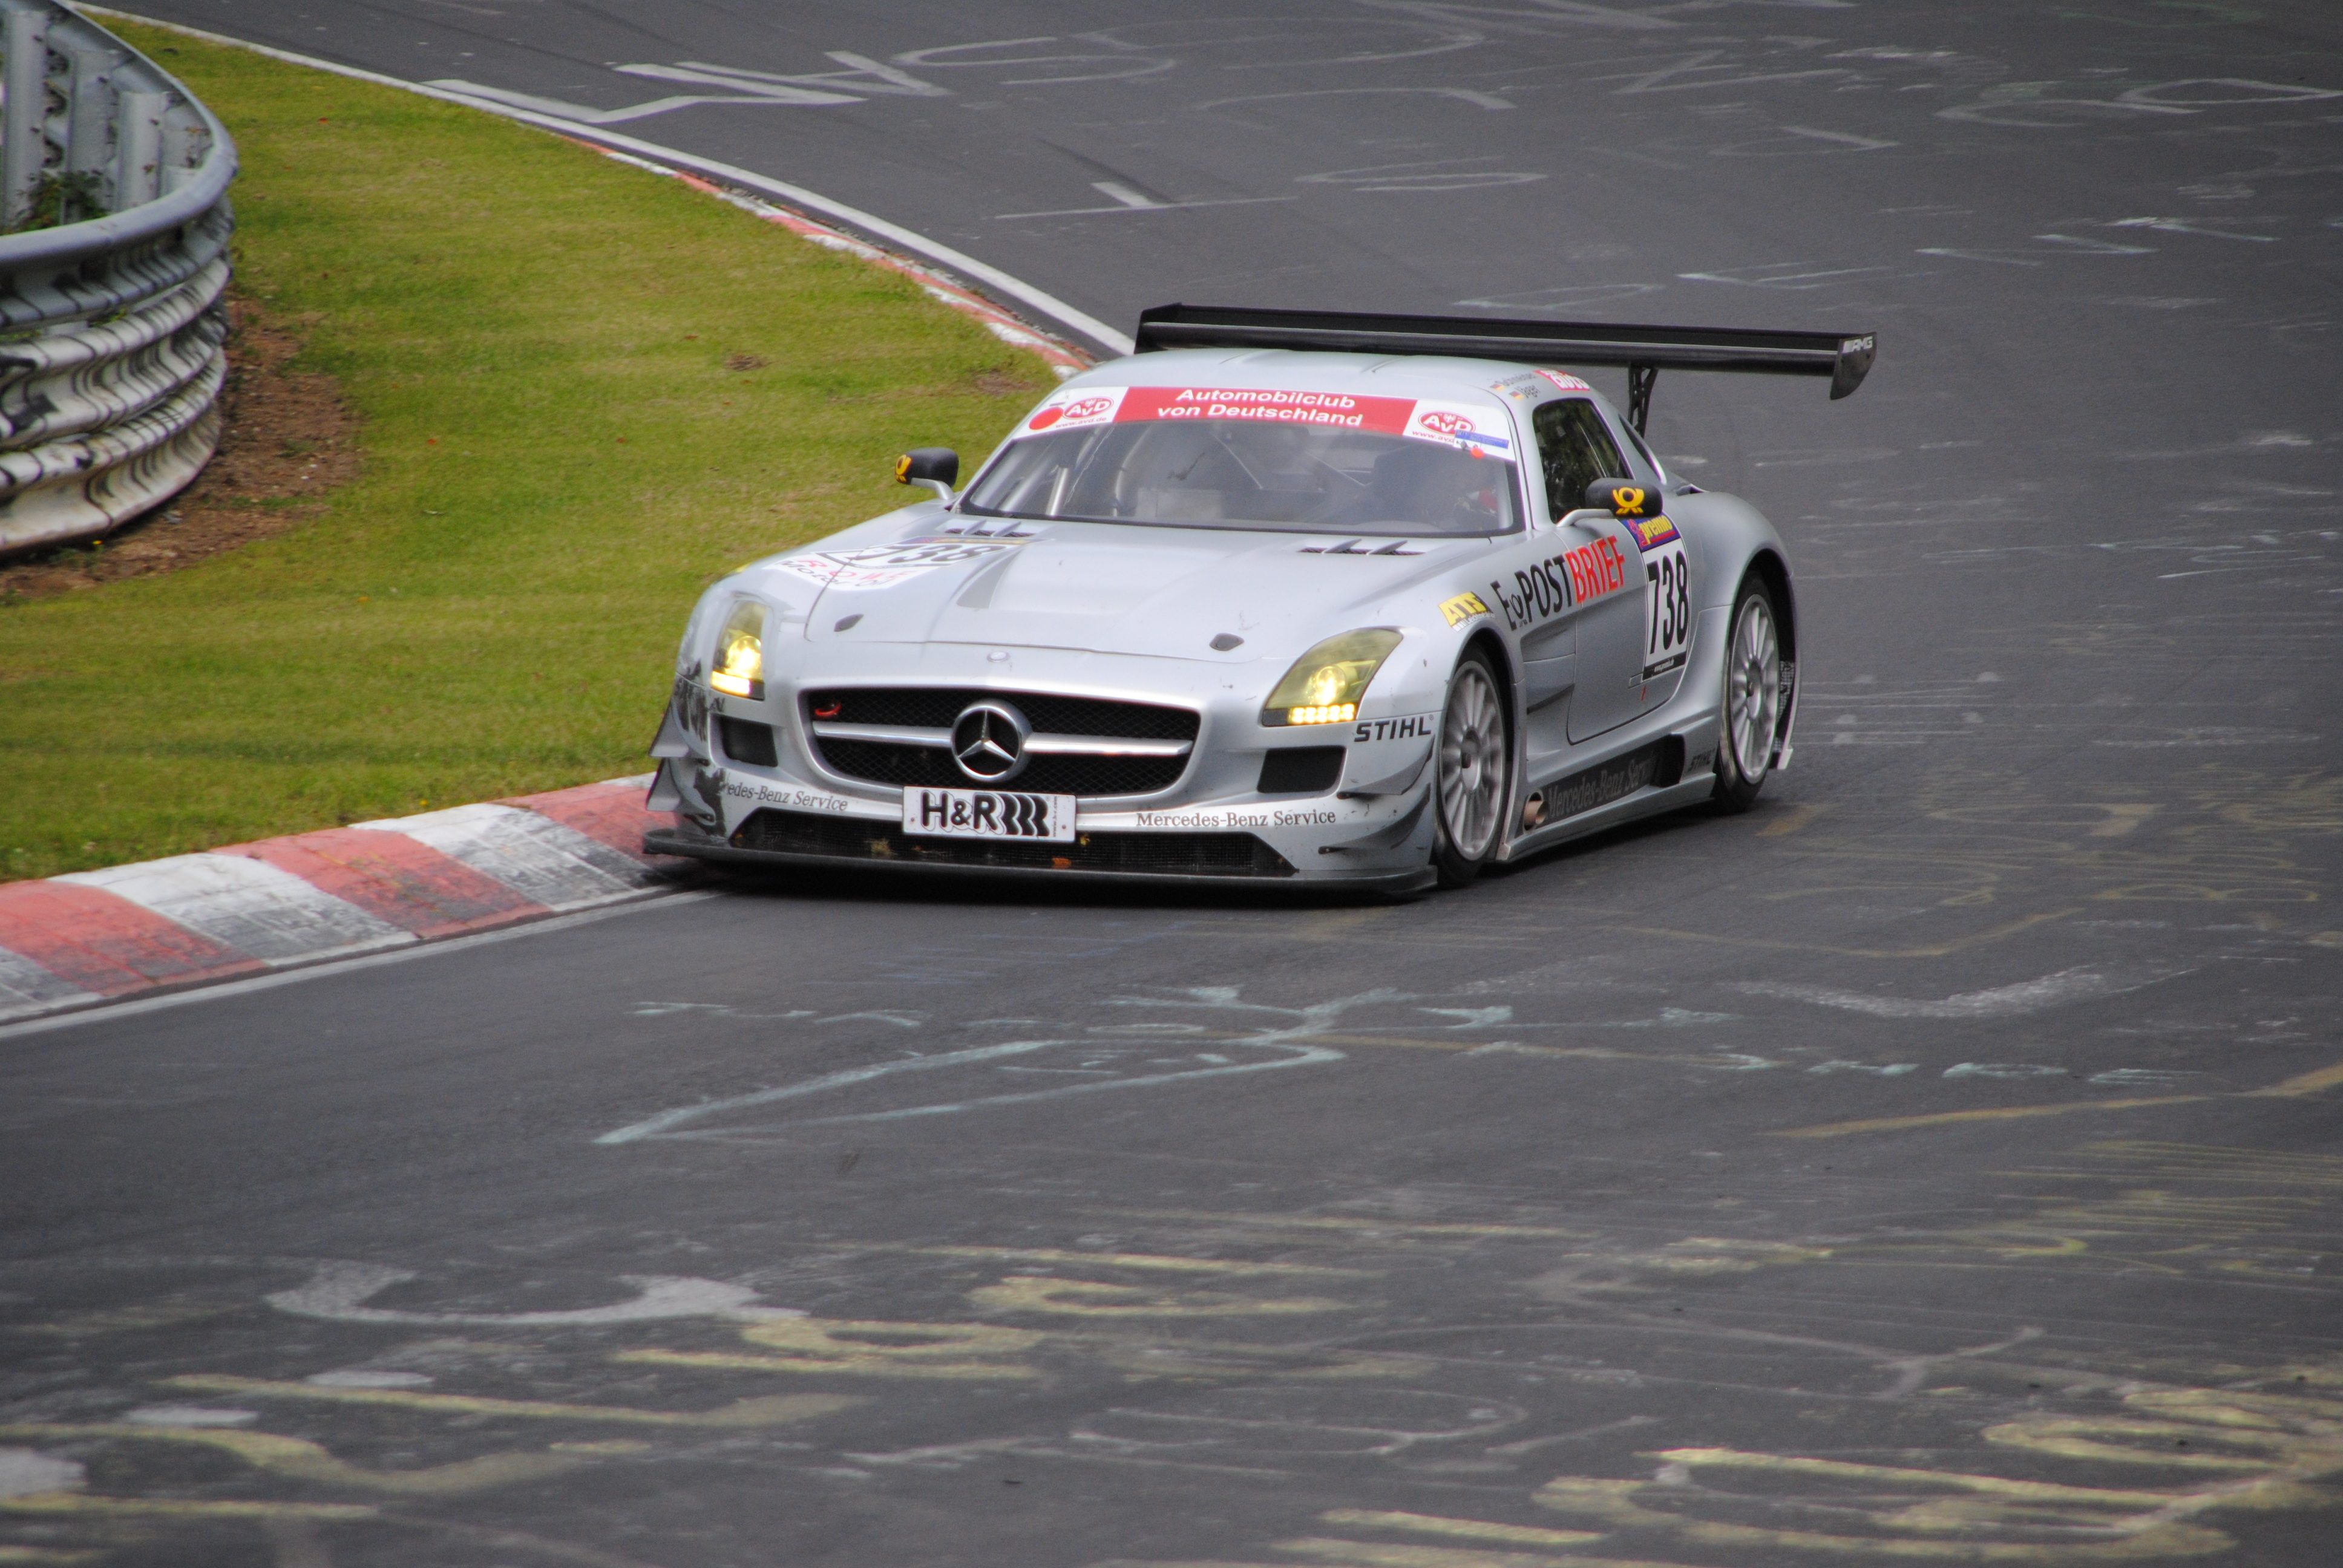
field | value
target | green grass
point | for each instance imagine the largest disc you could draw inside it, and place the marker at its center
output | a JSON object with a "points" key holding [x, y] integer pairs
{"points": [[555, 461]]}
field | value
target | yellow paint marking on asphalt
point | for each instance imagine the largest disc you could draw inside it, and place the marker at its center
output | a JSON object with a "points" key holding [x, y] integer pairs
{"points": [[1939, 1523], [778, 1410], [2294, 1088], [1789, 821], [2121, 820], [177, 1508], [1141, 1260], [1347, 1222], [306, 1460], [1844, 1470], [1574, 1560], [896, 1340], [1182, 1563], [2194, 1163], [2251, 1451], [859, 1366], [1086, 1298], [866, 1347], [124, 1320], [2317, 1082], [1381, 1554], [1930, 950], [2003, 1113], [1194, 1359], [42, 1554], [1463, 1529]]}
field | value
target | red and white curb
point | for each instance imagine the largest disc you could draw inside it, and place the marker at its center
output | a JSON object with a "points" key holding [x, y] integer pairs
{"points": [[92, 937]]}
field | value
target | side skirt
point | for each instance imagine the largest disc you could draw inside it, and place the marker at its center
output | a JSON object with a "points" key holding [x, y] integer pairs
{"points": [[1645, 803]]}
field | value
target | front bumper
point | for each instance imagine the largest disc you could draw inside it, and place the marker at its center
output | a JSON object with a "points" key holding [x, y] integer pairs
{"points": [[1370, 829], [775, 838]]}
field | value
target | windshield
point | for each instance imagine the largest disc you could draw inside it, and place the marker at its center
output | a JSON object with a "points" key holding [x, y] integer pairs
{"points": [[1238, 458]]}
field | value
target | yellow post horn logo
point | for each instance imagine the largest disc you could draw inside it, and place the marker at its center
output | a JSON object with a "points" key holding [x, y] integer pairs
{"points": [[1628, 500], [903, 469]]}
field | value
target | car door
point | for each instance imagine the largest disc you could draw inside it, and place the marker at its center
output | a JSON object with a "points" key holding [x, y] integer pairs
{"points": [[1598, 561]]}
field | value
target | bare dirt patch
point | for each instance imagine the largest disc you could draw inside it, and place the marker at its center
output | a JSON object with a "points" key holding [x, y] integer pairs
{"points": [[287, 440]]}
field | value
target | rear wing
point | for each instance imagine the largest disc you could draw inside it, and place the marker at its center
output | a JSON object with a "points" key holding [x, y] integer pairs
{"points": [[1844, 356]]}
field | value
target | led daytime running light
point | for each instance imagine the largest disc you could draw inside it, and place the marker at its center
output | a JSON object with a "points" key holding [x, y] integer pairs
{"points": [[1331, 713]]}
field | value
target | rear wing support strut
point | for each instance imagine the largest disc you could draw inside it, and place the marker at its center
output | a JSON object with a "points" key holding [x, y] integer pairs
{"points": [[1845, 358], [1640, 379]]}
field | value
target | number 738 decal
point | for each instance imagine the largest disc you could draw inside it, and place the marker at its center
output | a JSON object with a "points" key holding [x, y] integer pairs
{"points": [[1667, 605]]}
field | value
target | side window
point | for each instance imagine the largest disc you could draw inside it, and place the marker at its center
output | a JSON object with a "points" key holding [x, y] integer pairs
{"points": [[1575, 450], [1658, 475]]}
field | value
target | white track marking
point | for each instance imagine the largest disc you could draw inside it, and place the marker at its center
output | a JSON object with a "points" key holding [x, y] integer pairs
{"points": [[2002, 1002], [26, 987], [338, 1292], [535, 856], [247, 906], [190, 1416], [1292, 1037], [1015, 287], [25, 1473], [587, 115], [655, 1126]]}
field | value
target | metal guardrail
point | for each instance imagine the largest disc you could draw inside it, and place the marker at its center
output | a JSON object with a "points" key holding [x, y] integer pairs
{"points": [[112, 319]]}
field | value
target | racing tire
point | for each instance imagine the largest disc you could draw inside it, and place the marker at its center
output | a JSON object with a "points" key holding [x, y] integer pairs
{"points": [[1750, 718], [1473, 771]]}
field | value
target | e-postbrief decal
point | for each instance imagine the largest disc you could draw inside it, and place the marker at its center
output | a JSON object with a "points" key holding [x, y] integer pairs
{"points": [[884, 566], [1461, 426], [1547, 587]]}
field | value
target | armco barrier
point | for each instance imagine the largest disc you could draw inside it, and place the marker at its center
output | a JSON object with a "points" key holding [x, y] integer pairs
{"points": [[112, 320]]}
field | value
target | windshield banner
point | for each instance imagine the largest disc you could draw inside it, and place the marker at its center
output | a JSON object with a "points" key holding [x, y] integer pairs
{"points": [[1457, 425]]}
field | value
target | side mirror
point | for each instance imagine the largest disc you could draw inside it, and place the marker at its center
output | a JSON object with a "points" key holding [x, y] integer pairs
{"points": [[937, 467], [1625, 500]]}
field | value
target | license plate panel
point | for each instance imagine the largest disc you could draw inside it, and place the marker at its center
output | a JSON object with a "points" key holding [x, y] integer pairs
{"points": [[988, 814]]}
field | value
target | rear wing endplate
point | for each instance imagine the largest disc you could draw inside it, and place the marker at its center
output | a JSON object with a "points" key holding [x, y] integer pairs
{"points": [[1844, 356]]}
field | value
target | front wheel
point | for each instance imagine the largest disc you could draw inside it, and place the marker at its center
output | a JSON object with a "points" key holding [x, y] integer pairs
{"points": [[1475, 770], [1752, 712]]}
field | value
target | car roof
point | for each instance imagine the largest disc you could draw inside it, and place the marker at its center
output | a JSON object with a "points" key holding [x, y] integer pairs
{"points": [[1391, 376]]}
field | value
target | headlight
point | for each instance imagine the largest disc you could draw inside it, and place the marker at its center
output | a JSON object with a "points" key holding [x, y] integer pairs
{"points": [[1324, 686], [740, 669]]}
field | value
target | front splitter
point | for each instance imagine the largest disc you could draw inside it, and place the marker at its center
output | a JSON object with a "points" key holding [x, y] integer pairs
{"points": [[1401, 883]]}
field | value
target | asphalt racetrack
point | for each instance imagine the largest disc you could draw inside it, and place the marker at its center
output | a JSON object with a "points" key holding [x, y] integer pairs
{"points": [[1939, 1164]]}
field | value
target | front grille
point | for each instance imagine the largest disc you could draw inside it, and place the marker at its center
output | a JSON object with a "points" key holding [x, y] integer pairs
{"points": [[1140, 854], [935, 707], [882, 762]]}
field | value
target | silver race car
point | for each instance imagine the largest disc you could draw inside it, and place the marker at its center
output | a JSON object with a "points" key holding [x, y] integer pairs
{"points": [[1372, 602]]}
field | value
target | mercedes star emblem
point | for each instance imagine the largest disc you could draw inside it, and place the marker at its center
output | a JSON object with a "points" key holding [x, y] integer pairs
{"points": [[988, 742]]}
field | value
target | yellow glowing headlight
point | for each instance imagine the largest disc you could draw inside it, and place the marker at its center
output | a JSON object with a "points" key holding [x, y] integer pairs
{"points": [[1324, 686], [740, 669]]}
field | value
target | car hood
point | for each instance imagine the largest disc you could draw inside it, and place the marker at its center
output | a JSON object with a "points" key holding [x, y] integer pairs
{"points": [[1162, 592]]}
